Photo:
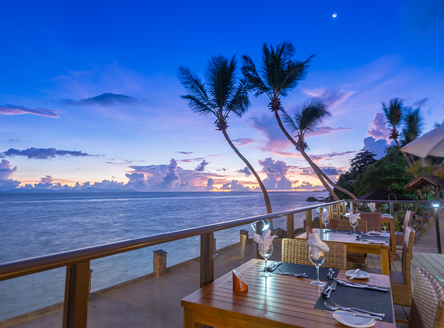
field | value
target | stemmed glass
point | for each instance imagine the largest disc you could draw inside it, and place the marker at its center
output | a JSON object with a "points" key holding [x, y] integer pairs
{"points": [[325, 220], [317, 257], [353, 222], [265, 249]]}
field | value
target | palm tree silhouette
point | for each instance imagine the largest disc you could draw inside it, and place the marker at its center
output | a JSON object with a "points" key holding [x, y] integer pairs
{"points": [[280, 74], [221, 94]]}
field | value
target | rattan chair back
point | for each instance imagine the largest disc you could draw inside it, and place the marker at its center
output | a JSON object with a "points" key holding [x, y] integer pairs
{"points": [[427, 308], [345, 225], [373, 220], [407, 253], [296, 251], [408, 219]]}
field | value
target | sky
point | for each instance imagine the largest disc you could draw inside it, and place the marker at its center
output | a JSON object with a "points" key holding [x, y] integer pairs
{"points": [[90, 95]]}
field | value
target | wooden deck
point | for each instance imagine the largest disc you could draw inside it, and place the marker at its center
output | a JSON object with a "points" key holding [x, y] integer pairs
{"points": [[156, 302]]}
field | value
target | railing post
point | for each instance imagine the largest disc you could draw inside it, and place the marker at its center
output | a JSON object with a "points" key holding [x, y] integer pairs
{"points": [[351, 206], [308, 220], [77, 281], [338, 211], [159, 262], [438, 235], [391, 209], [330, 211], [344, 207], [206, 258], [290, 225]]}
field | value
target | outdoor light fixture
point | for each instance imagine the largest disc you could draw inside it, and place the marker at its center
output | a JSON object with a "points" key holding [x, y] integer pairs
{"points": [[265, 225], [436, 204]]}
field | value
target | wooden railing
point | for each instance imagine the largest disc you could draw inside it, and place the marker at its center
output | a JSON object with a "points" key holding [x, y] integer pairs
{"points": [[77, 262]]}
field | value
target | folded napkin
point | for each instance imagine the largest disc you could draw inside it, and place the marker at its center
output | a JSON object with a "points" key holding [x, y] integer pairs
{"points": [[266, 239], [354, 217], [316, 243], [372, 206]]}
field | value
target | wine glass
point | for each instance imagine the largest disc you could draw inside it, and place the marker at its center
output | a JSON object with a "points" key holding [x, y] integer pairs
{"points": [[317, 257], [353, 222], [265, 249], [325, 220]]}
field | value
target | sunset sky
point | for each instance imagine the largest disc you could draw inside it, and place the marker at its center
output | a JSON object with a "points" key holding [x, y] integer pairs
{"points": [[89, 93]]}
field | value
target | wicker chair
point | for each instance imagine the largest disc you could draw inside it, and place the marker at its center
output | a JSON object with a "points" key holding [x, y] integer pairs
{"points": [[345, 225], [354, 260], [400, 281], [296, 251], [373, 220], [427, 308], [407, 223]]}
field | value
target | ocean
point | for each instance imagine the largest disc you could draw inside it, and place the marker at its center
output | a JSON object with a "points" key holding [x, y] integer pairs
{"points": [[37, 224]]}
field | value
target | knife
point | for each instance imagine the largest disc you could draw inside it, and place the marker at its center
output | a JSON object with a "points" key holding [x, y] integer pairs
{"points": [[332, 288], [361, 315], [274, 266], [351, 284]]}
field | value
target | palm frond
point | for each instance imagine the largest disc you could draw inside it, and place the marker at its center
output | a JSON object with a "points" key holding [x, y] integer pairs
{"points": [[413, 123], [393, 111], [194, 86], [239, 102], [296, 72], [309, 116], [221, 79], [254, 81], [288, 120], [198, 106]]}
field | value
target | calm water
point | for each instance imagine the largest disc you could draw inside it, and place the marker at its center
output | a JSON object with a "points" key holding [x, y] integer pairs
{"points": [[39, 224]]}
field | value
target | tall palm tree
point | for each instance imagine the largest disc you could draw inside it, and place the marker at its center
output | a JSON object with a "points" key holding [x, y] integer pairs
{"points": [[220, 95], [280, 74], [395, 112], [413, 123]]}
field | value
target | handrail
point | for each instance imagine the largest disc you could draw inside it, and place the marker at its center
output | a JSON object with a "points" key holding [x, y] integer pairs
{"points": [[47, 262]]}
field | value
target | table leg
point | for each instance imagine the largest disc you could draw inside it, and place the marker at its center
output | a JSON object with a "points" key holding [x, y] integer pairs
{"points": [[393, 238], [385, 261], [188, 319]]}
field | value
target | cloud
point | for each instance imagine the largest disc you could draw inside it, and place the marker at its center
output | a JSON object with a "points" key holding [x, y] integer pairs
{"points": [[317, 158], [210, 184], [331, 98], [378, 127], [19, 110], [201, 166], [330, 171], [276, 139], [185, 152], [276, 174], [423, 17], [105, 99], [234, 185], [245, 171], [325, 130], [119, 162], [189, 160], [308, 186], [42, 153], [420, 102], [6, 171], [376, 146], [242, 141]]}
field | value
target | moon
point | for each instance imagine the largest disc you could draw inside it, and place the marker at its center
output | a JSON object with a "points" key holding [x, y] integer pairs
{"points": [[334, 15]]}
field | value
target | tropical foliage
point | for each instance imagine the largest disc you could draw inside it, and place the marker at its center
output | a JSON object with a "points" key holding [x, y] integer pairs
{"points": [[220, 95], [280, 74]]}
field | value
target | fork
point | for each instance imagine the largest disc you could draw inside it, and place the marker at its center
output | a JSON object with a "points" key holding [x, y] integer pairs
{"points": [[345, 308], [304, 275], [355, 313]]}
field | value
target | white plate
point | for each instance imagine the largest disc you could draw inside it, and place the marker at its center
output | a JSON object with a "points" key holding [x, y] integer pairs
{"points": [[360, 275], [374, 233], [381, 242], [358, 322]]}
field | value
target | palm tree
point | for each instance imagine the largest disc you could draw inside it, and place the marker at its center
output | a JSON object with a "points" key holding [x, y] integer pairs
{"points": [[395, 112], [220, 95], [394, 115], [280, 74], [413, 123]]}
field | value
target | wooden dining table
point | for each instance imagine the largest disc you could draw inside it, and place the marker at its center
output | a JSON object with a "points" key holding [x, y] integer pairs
{"points": [[357, 246], [278, 301]]}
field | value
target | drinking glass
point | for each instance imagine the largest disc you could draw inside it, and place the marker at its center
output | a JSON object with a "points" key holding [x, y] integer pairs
{"points": [[325, 220], [353, 222], [317, 257], [265, 250]]}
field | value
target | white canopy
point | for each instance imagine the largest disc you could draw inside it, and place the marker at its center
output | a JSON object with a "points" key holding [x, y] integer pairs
{"points": [[429, 144]]}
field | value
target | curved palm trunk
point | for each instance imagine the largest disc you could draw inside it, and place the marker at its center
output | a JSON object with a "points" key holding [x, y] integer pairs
{"points": [[264, 191], [421, 196], [310, 162]]}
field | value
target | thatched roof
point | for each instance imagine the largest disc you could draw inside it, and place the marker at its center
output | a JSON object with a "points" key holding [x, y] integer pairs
{"points": [[424, 181], [384, 195]]}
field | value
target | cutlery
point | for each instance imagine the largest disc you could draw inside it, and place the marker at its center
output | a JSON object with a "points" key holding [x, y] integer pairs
{"points": [[331, 288], [354, 314], [274, 266], [353, 276], [326, 291], [345, 308], [291, 274], [353, 284]]}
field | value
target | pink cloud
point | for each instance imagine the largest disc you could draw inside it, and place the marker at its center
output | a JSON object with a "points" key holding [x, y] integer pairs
{"points": [[325, 130], [19, 110], [331, 97], [378, 128], [242, 141]]}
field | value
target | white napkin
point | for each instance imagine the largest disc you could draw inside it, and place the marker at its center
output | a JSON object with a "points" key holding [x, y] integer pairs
{"points": [[354, 217], [315, 242], [372, 206], [265, 238]]}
